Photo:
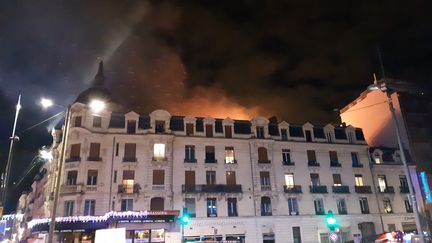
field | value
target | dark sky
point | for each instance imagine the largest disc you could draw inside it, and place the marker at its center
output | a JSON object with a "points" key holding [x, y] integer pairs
{"points": [[297, 60]]}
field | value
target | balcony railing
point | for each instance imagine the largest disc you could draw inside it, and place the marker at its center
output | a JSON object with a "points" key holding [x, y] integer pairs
{"points": [[335, 164], [72, 189], [129, 159], [190, 160], [210, 161], [404, 189], [318, 189], [293, 189], [264, 161], [290, 163], [125, 189], [158, 159], [388, 189], [357, 165], [231, 162], [340, 189], [319, 212], [94, 159], [363, 189], [266, 214], [73, 159], [217, 188], [313, 164], [342, 212], [265, 187]]}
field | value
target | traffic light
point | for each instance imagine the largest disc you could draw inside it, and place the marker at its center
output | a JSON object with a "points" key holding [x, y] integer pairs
{"points": [[331, 221], [185, 218]]}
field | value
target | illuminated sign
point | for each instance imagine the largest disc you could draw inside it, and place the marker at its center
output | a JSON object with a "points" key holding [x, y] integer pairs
{"points": [[425, 187]]}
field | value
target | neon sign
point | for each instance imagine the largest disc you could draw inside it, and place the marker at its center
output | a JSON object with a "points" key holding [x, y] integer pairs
{"points": [[425, 187]]}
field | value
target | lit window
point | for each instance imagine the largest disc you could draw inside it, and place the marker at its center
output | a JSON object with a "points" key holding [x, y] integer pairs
{"points": [[359, 180], [387, 206], [377, 158], [382, 183], [289, 180], [159, 151], [229, 155]]}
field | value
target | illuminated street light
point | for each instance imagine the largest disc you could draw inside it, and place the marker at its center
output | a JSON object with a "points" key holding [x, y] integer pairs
{"points": [[46, 103], [97, 105]]}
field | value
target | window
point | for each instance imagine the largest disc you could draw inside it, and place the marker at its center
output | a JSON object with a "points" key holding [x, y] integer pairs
{"points": [[329, 137], [232, 207], [128, 181], [68, 208], [260, 132], [228, 131], [382, 183], [159, 151], [210, 154], [115, 177], [311, 156], [315, 181], [127, 205], [284, 135], [160, 126], [113, 205], [211, 207], [190, 178], [359, 180], [209, 130], [92, 177], [296, 234], [408, 205], [262, 155], [364, 206], [211, 177], [341, 206], [75, 152], [387, 205], [131, 127], [266, 209], [293, 206], [319, 206], [117, 149], [403, 182], [333, 158], [189, 129], [289, 180], [231, 178], [337, 181], [130, 152], [229, 155], [391, 227], [355, 159], [190, 153], [77, 121], [94, 152], [157, 204], [190, 205], [308, 136], [286, 156], [377, 158], [97, 121], [71, 177], [89, 207], [158, 177], [265, 180]]}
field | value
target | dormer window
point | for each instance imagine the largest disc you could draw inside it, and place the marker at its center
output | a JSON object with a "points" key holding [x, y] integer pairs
{"points": [[209, 130], [377, 158], [97, 121], [308, 135], [284, 135], [189, 129], [77, 121], [228, 131], [131, 127], [260, 132], [329, 137], [160, 127], [350, 136]]}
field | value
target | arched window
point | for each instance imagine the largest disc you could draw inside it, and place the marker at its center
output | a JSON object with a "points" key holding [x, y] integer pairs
{"points": [[266, 209], [262, 155], [157, 204]]}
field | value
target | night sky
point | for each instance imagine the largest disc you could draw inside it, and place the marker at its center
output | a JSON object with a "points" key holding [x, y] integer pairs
{"points": [[298, 60]]}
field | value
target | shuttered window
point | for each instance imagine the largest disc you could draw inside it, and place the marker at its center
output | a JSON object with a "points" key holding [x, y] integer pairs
{"points": [[130, 152], [209, 130], [228, 131], [190, 177], [158, 177], [94, 152], [262, 155], [231, 178], [311, 156], [75, 150], [189, 129]]}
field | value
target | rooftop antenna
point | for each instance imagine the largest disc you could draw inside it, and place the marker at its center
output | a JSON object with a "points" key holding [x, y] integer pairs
{"points": [[381, 64]]}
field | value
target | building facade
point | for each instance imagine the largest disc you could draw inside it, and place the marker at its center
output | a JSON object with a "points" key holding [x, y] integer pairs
{"points": [[241, 181]]}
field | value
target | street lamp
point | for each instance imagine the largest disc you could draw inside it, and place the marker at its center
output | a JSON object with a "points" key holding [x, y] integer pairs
{"points": [[96, 106], [382, 86]]}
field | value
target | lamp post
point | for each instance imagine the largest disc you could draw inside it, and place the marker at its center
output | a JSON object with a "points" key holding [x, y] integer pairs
{"points": [[382, 86], [13, 138]]}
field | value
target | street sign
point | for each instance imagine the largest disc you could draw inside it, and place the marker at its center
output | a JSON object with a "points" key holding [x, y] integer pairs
{"points": [[333, 236]]}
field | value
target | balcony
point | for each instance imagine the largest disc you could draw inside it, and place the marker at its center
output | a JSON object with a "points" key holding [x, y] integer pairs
{"points": [[318, 189], [265, 187], [231, 161], [158, 159], [343, 212], [264, 161], [73, 159], [288, 163], [404, 189], [210, 161], [363, 189], [125, 189], [388, 189], [293, 189], [356, 165], [190, 160], [313, 164], [320, 213], [94, 159], [340, 189], [129, 159], [266, 213], [72, 189], [335, 164], [158, 187], [217, 188]]}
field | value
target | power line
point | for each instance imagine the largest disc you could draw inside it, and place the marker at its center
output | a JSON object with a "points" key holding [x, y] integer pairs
{"points": [[364, 107], [37, 124]]}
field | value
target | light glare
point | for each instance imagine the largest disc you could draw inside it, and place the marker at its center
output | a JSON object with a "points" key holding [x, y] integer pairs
{"points": [[97, 105], [46, 103], [46, 154]]}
